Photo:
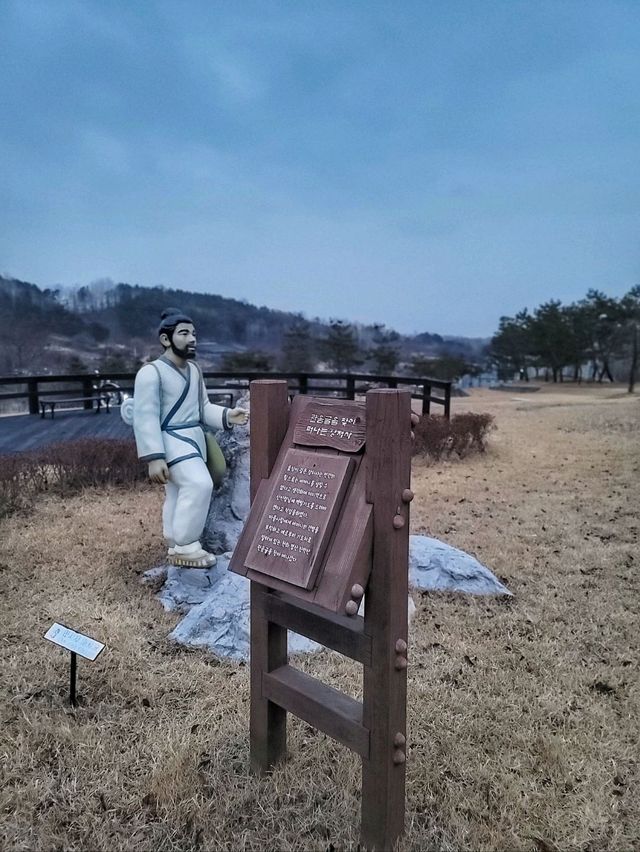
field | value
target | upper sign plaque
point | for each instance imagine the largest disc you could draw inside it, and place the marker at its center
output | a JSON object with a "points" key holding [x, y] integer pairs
{"points": [[340, 426], [299, 516]]}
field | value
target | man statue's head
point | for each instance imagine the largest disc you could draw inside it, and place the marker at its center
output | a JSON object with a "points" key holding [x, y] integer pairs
{"points": [[177, 332]]}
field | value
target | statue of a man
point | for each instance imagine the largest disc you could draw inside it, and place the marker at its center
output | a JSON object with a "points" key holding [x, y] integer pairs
{"points": [[171, 408]]}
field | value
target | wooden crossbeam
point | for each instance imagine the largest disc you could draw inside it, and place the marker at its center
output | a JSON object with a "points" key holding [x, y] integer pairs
{"points": [[339, 632], [322, 706]]}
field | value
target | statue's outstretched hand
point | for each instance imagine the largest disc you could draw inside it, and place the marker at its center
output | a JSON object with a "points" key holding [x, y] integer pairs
{"points": [[238, 416], [158, 471]]}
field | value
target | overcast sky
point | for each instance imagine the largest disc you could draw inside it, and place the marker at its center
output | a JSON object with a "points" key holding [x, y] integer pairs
{"points": [[429, 165]]}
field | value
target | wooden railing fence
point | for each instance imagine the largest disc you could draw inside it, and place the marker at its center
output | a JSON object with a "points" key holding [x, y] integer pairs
{"points": [[343, 385]]}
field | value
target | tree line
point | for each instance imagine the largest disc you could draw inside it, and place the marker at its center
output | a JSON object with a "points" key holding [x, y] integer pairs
{"points": [[112, 327], [343, 347], [585, 337]]}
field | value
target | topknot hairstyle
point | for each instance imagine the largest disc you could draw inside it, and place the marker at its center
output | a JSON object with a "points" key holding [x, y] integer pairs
{"points": [[170, 318]]}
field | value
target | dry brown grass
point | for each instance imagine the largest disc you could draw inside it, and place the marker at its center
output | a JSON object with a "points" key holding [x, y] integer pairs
{"points": [[523, 715]]}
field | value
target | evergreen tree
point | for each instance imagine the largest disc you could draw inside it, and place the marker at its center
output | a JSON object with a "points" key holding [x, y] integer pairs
{"points": [[448, 368], [385, 353], [341, 348], [602, 315], [76, 366], [510, 347], [298, 348], [630, 304], [552, 337], [240, 362]]}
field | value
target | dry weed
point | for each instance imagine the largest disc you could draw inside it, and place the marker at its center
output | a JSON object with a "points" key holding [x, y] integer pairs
{"points": [[437, 438], [65, 469], [522, 713]]}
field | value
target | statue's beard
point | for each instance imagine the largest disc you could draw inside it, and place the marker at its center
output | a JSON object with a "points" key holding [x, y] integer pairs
{"points": [[188, 353]]}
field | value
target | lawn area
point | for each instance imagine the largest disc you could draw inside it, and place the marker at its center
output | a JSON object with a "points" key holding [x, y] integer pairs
{"points": [[522, 713]]}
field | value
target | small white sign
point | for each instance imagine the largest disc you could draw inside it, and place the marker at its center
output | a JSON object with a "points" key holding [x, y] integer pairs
{"points": [[77, 642]]}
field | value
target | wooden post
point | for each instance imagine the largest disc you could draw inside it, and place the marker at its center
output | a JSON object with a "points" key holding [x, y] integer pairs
{"points": [[87, 390], [351, 387], [268, 722], [385, 680], [426, 398], [32, 389], [303, 383], [447, 402]]}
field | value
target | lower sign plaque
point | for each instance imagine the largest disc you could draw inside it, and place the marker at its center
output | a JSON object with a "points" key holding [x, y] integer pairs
{"points": [[299, 516]]}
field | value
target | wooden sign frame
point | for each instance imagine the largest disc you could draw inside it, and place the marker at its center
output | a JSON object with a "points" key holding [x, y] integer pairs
{"points": [[375, 548]]}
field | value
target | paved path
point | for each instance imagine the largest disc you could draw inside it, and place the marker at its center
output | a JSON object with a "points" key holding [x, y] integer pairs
{"points": [[29, 431]]}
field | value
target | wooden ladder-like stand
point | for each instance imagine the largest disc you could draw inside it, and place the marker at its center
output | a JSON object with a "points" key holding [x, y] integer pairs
{"points": [[376, 727]]}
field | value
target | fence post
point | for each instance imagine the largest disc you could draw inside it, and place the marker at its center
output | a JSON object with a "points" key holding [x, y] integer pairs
{"points": [[87, 390], [426, 398], [351, 387], [303, 383], [32, 389], [447, 402]]}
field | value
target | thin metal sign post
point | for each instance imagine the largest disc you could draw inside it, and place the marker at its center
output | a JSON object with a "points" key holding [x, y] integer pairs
{"points": [[72, 683], [76, 643]]}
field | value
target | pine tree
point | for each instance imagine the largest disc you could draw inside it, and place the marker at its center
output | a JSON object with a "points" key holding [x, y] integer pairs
{"points": [[341, 348], [385, 355], [298, 348]]}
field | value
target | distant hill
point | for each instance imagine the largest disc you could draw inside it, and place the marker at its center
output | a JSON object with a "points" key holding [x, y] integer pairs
{"points": [[30, 317], [135, 311], [113, 326], [23, 304]]}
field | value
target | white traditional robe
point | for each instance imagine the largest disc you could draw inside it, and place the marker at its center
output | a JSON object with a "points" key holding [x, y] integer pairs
{"points": [[170, 407]]}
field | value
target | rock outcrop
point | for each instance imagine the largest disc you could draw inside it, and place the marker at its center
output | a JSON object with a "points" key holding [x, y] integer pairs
{"points": [[215, 602], [230, 503]]}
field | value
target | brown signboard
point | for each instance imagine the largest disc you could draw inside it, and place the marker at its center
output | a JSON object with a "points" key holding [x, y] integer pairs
{"points": [[329, 524], [299, 516], [332, 424]]}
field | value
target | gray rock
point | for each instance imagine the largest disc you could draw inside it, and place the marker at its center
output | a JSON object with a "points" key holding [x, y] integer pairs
{"points": [[155, 575], [216, 607], [188, 587], [220, 622], [437, 566], [216, 602], [230, 503]]}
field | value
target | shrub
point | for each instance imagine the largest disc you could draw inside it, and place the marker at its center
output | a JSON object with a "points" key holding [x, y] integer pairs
{"points": [[65, 469], [437, 437]]}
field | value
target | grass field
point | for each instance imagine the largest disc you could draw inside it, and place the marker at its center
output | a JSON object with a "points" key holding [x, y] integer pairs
{"points": [[523, 713]]}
